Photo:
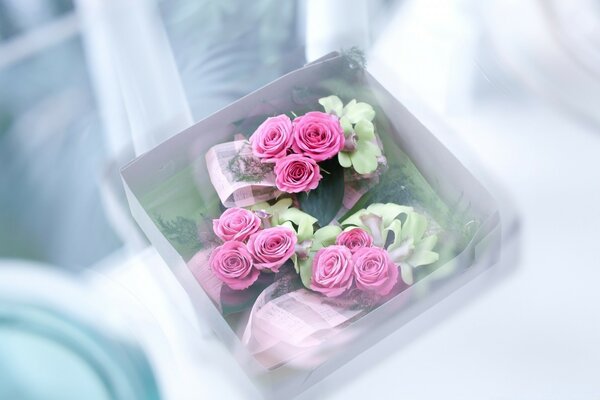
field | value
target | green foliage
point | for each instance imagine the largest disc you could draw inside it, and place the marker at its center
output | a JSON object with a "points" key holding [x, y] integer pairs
{"points": [[181, 231], [325, 201], [402, 231], [355, 58], [282, 214], [359, 131]]}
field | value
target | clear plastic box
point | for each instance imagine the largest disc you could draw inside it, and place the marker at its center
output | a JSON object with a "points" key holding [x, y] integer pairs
{"points": [[170, 194]]}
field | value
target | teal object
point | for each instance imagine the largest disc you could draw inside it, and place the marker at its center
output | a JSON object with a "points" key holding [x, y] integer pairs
{"points": [[49, 352]]}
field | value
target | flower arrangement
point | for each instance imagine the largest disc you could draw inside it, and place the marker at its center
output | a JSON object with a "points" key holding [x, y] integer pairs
{"points": [[330, 199], [371, 251]]}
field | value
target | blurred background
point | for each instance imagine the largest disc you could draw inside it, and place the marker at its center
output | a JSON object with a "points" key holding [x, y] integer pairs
{"points": [[85, 85]]}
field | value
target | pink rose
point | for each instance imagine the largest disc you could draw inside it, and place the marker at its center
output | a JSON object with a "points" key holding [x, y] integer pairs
{"points": [[374, 271], [332, 271], [272, 247], [318, 135], [296, 173], [272, 138], [236, 224], [232, 264], [354, 239]]}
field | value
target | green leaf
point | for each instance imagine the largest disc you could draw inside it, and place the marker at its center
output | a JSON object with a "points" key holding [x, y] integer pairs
{"points": [[356, 111], [332, 104], [365, 130], [305, 267], [344, 159], [360, 204], [326, 200]]}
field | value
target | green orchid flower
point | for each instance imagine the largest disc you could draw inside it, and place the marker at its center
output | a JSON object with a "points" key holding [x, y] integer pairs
{"points": [[283, 214], [361, 150], [410, 247]]}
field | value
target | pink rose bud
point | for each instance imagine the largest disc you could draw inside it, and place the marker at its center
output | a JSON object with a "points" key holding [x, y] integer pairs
{"points": [[354, 239], [232, 264], [374, 272], [272, 247], [273, 138], [332, 271], [236, 224], [296, 173], [318, 135]]}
